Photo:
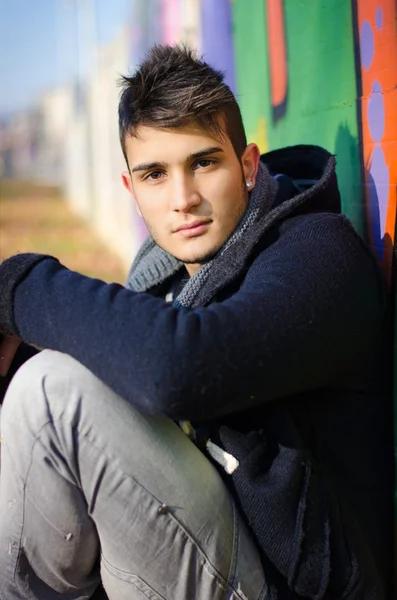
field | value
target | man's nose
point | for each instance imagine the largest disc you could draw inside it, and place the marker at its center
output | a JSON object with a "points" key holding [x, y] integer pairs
{"points": [[184, 196]]}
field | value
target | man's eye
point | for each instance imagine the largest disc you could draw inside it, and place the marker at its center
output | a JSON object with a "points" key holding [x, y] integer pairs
{"points": [[204, 162], [154, 175]]}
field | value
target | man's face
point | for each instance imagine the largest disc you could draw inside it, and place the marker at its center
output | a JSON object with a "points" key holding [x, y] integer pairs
{"points": [[189, 188]]}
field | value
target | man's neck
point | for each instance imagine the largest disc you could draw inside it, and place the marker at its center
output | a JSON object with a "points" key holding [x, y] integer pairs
{"points": [[192, 268]]}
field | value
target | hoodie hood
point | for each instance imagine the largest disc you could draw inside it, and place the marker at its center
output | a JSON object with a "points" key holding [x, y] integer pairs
{"points": [[311, 171], [302, 180]]}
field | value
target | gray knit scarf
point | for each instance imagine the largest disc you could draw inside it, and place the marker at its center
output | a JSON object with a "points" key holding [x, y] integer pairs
{"points": [[153, 265]]}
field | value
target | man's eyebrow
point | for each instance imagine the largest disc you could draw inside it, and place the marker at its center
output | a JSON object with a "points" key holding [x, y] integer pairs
{"points": [[205, 152], [148, 166], [163, 165]]}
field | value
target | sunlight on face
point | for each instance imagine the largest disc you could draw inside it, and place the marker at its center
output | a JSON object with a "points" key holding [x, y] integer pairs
{"points": [[189, 188]]}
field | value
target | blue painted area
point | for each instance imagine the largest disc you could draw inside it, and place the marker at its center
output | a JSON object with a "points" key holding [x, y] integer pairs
{"points": [[376, 113], [217, 38], [379, 186], [367, 45], [379, 18]]}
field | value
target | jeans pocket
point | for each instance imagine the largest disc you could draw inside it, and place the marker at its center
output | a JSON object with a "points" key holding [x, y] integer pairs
{"points": [[121, 585]]}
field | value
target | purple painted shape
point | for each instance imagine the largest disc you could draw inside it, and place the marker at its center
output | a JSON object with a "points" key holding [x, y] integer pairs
{"points": [[376, 112], [379, 186], [367, 44], [216, 38], [379, 18]]}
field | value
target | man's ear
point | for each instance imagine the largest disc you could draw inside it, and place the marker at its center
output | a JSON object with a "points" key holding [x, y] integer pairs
{"points": [[250, 162], [127, 183]]}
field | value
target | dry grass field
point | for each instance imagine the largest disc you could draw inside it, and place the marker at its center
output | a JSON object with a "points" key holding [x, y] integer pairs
{"points": [[36, 219]]}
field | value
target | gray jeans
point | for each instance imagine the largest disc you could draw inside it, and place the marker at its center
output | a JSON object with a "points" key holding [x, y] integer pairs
{"points": [[92, 490]]}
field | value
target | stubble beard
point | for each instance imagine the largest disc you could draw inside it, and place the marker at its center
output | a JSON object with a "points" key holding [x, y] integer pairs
{"points": [[201, 259]]}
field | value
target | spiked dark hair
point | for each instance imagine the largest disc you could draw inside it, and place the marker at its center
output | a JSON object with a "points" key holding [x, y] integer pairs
{"points": [[174, 87]]}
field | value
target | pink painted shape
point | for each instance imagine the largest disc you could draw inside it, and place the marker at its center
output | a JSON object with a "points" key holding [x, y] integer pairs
{"points": [[170, 21]]}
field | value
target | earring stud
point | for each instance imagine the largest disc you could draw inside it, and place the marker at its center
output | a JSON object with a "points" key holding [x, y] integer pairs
{"points": [[249, 183]]}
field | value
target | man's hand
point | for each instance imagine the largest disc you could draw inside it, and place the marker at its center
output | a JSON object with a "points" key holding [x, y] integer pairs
{"points": [[12, 271], [8, 346]]}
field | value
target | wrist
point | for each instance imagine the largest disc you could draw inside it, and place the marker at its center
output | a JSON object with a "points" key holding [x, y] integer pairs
{"points": [[12, 271]]}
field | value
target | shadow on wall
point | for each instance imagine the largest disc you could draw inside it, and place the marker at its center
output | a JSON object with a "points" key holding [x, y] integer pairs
{"points": [[365, 203], [381, 241], [348, 154]]}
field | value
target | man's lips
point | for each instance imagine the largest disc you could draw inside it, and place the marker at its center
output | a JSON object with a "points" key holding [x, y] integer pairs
{"points": [[193, 229]]}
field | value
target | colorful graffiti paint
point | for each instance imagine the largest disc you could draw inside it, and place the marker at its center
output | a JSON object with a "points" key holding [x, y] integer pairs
{"points": [[217, 37], [278, 63], [376, 22], [308, 89], [326, 73]]}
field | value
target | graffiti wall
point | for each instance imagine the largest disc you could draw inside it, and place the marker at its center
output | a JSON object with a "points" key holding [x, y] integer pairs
{"points": [[326, 73]]}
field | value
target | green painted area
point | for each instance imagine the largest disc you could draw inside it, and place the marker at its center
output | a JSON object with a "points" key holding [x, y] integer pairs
{"points": [[252, 71], [322, 92]]}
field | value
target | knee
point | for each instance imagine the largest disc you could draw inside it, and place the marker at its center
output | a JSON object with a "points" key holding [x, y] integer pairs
{"points": [[30, 376], [36, 388], [55, 388]]}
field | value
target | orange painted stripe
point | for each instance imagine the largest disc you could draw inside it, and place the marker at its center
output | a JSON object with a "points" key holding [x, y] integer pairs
{"points": [[380, 18], [277, 51]]}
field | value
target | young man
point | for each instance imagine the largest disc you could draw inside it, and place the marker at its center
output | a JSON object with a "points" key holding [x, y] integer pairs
{"points": [[221, 428]]}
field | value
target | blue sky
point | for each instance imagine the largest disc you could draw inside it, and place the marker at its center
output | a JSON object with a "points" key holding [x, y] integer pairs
{"points": [[38, 45]]}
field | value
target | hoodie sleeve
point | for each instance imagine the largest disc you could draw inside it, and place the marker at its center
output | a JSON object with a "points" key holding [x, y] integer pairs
{"points": [[309, 305]]}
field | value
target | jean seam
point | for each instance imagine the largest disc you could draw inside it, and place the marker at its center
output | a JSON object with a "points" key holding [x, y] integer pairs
{"points": [[16, 559], [219, 580], [24, 494], [106, 563], [30, 497], [234, 553], [264, 592], [37, 437]]}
